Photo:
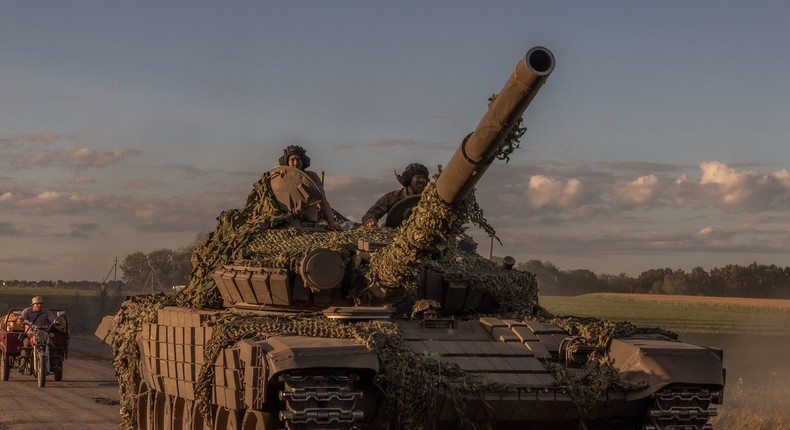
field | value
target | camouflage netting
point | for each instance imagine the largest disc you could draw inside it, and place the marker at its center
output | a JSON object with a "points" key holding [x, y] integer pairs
{"points": [[235, 228], [284, 248], [600, 374], [433, 224]]}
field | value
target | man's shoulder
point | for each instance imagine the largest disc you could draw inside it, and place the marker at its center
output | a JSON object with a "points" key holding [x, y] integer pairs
{"points": [[398, 194]]}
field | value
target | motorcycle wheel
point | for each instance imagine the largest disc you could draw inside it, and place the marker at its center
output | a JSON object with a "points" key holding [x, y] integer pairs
{"points": [[41, 370], [5, 369]]}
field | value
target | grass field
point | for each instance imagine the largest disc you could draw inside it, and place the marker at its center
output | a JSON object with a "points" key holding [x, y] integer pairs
{"points": [[686, 314], [754, 333]]}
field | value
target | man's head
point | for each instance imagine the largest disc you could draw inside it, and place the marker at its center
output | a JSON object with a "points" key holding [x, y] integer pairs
{"points": [[37, 302], [414, 177], [295, 156]]}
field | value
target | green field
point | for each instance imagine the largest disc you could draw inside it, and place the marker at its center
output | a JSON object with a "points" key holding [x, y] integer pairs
{"points": [[731, 316]]}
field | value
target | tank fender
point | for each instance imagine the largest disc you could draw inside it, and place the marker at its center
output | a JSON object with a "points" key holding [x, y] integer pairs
{"points": [[656, 363], [286, 353]]}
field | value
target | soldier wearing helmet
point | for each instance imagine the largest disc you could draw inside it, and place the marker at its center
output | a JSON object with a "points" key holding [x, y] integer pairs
{"points": [[296, 156], [414, 179]]}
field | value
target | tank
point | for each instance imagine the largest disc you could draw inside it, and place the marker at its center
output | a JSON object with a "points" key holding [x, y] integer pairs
{"points": [[286, 325]]}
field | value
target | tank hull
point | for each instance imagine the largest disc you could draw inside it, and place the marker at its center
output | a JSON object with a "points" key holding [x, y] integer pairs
{"points": [[302, 382]]}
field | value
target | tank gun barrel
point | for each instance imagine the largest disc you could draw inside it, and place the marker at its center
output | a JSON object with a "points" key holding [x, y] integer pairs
{"points": [[479, 149]]}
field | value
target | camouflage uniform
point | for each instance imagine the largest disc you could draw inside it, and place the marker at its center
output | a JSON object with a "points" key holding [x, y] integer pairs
{"points": [[387, 201], [384, 204]]}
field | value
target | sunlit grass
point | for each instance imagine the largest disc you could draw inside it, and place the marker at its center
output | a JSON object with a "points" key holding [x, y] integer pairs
{"points": [[676, 313], [755, 407]]}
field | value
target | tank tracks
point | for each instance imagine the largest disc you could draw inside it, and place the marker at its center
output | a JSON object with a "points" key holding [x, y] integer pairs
{"points": [[682, 409], [326, 401]]}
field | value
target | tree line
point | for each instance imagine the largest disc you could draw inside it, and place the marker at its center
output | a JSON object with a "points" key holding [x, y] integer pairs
{"points": [[162, 269], [755, 281]]}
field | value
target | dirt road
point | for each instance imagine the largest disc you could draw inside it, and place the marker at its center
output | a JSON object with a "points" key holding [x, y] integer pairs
{"points": [[86, 398]]}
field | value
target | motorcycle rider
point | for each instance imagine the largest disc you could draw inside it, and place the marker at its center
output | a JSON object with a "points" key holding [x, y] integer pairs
{"points": [[37, 314]]}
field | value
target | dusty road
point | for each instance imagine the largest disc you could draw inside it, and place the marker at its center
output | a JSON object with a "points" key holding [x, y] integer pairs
{"points": [[86, 398]]}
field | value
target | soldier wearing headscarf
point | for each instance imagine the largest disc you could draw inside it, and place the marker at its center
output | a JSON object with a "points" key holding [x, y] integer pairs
{"points": [[414, 179], [296, 156]]}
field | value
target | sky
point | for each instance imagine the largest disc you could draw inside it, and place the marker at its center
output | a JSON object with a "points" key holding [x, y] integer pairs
{"points": [[660, 139]]}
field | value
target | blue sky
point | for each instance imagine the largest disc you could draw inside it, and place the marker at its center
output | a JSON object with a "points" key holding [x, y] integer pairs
{"points": [[659, 141]]}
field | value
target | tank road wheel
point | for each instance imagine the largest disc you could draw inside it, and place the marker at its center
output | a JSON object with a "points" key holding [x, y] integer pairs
{"points": [[182, 414], [227, 419], [163, 411], [144, 407], [257, 420], [199, 422], [5, 368]]}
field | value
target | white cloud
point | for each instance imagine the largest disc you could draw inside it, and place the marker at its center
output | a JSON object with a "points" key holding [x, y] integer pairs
{"points": [[638, 191], [544, 191]]}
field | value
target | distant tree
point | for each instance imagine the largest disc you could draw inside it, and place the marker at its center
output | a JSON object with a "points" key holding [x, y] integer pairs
{"points": [[579, 281], [674, 283], [135, 270], [651, 281], [621, 283], [547, 274], [698, 282], [734, 279]]}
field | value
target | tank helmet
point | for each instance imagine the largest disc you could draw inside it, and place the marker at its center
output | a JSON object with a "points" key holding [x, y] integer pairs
{"points": [[295, 150], [37, 299], [411, 170]]}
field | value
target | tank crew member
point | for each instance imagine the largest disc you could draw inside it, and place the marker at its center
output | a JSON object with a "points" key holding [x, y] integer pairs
{"points": [[414, 179], [296, 156]]}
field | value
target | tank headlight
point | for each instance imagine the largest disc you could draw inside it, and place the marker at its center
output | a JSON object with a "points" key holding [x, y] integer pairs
{"points": [[42, 336]]}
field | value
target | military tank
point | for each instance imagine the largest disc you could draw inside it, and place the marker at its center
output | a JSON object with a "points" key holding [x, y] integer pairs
{"points": [[286, 325]]}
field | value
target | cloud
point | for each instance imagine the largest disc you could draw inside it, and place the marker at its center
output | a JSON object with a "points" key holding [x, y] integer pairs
{"points": [[544, 191], [40, 139], [718, 186], [638, 191], [734, 190], [72, 158]]}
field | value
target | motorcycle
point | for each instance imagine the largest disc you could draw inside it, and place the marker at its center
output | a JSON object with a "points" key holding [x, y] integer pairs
{"points": [[38, 351], [39, 361]]}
